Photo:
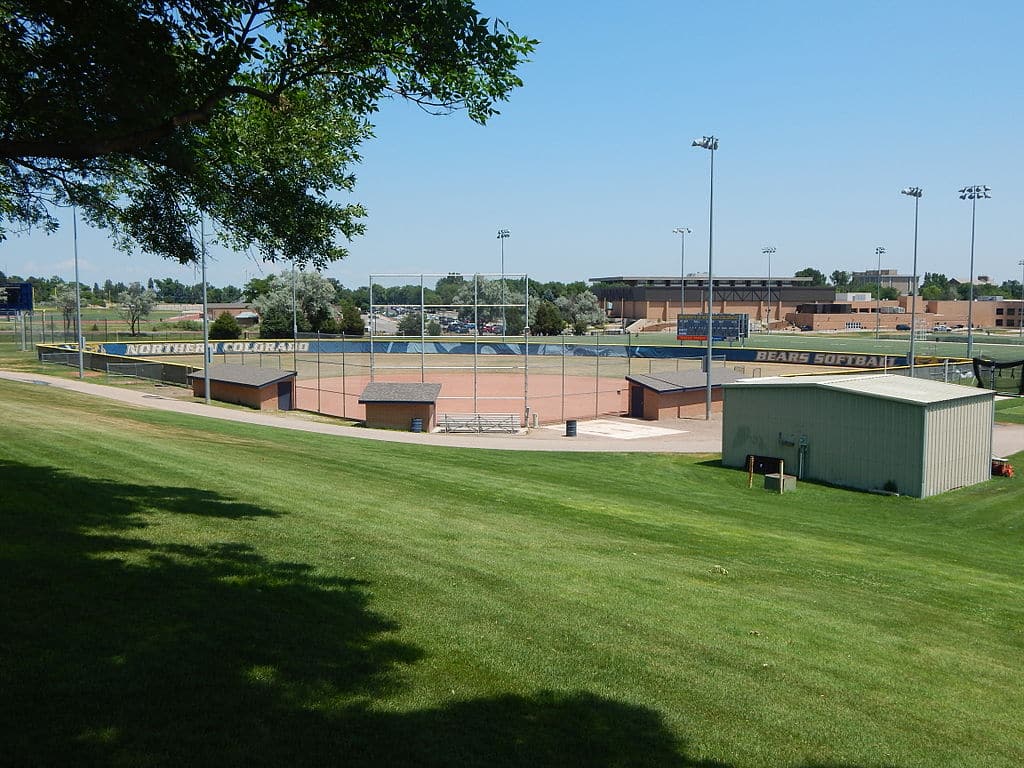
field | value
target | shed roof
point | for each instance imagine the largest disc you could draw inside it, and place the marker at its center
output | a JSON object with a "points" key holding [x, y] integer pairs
{"points": [[882, 386], [676, 381], [398, 392], [246, 375]]}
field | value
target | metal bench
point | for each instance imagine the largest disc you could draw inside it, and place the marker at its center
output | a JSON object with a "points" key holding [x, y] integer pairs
{"points": [[480, 422]]}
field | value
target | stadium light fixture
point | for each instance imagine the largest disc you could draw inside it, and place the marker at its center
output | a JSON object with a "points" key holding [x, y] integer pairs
{"points": [[973, 193], [879, 252], [709, 143], [682, 232], [914, 192], [768, 250]]}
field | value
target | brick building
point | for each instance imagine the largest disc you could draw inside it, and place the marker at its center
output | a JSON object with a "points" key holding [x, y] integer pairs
{"points": [[658, 298]]}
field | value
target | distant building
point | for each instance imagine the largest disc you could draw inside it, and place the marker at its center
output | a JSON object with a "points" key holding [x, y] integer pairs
{"points": [[241, 311], [851, 297], [1005, 313], [889, 278], [658, 298], [978, 280], [867, 315], [994, 313]]}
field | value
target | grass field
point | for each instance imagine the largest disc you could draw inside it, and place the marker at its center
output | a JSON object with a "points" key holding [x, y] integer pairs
{"points": [[178, 591], [1010, 411]]}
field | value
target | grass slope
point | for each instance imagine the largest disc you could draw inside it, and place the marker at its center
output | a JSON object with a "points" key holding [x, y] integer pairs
{"points": [[1010, 411], [181, 591]]}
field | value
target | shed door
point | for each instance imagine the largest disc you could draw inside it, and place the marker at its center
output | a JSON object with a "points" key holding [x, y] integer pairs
{"points": [[284, 395], [636, 402]]}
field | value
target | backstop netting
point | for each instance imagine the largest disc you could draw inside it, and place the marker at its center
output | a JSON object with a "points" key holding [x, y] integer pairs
{"points": [[554, 379], [1005, 377]]}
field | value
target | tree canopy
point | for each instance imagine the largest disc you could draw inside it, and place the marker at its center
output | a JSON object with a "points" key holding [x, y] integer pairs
{"points": [[840, 278], [547, 320], [145, 115], [225, 327], [817, 277], [314, 297], [580, 310], [135, 306]]}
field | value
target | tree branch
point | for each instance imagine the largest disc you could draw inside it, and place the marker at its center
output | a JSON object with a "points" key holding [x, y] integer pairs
{"points": [[97, 147]]}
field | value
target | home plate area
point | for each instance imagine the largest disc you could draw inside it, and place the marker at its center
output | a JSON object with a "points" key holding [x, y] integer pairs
{"points": [[619, 429]]}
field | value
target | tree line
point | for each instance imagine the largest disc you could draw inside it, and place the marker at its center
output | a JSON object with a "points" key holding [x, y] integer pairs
{"points": [[324, 305], [166, 290], [935, 286]]}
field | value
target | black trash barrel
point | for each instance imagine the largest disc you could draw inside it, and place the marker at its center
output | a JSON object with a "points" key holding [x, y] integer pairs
{"points": [[417, 425], [570, 428]]}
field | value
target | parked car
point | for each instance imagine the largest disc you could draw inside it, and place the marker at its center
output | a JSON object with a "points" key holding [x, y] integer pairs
{"points": [[902, 327], [941, 328]]}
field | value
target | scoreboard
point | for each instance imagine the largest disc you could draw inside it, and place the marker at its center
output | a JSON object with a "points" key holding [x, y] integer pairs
{"points": [[15, 297], [723, 327]]}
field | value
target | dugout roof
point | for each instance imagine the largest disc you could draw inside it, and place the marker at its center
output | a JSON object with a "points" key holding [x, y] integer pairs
{"points": [[682, 380], [398, 392], [246, 375]]}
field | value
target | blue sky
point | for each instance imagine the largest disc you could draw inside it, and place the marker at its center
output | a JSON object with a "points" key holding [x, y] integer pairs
{"points": [[824, 111]]}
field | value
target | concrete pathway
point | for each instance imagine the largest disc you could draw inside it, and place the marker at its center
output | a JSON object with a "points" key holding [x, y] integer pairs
{"points": [[684, 435], [610, 434]]}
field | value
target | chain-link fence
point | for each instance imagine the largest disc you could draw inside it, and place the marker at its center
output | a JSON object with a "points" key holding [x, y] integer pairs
{"points": [[50, 327], [546, 381], [118, 366]]}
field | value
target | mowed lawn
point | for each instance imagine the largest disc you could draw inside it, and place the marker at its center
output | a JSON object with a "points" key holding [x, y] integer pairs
{"points": [[178, 591]]}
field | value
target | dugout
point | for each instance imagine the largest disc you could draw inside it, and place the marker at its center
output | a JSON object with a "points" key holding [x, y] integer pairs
{"points": [[915, 437], [678, 394], [265, 389], [394, 405]]}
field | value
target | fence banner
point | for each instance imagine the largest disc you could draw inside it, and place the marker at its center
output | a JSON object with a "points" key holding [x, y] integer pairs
{"points": [[312, 346]]}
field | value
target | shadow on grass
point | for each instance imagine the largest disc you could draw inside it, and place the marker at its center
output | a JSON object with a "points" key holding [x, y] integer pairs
{"points": [[115, 649], [716, 463]]}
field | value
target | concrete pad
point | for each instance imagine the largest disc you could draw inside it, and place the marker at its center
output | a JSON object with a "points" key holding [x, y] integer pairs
{"points": [[619, 430]]}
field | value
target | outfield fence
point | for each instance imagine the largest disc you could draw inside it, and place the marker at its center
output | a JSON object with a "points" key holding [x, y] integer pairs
{"points": [[546, 381], [161, 371], [148, 371]]}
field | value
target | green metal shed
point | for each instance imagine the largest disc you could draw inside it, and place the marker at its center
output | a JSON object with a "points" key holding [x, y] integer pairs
{"points": [[871, 432]]}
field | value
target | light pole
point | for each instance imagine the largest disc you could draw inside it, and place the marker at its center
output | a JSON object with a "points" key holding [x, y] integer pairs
{"points": [[1020, 309], [879, 252], [295, 322], [768, 250], [972, 194], [709, 143], [78, 298], [503, 235], [914, 192], [682, 232], [207, 357]]}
